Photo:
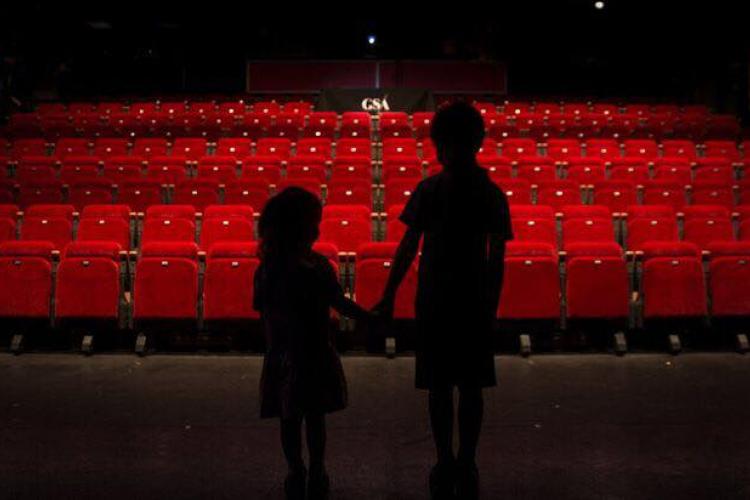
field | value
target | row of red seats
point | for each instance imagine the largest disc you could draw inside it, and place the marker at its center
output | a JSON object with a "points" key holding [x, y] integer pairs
{"points": [[305, 107], [559, 150], [350, 226], [616, 195], [173, 107], [361, 124], [702, 225], [670, 284]]}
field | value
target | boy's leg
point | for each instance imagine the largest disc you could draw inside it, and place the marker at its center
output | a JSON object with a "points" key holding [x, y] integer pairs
{"points": [[291, 443], [470, 412], [316, 442], [441, 420]]}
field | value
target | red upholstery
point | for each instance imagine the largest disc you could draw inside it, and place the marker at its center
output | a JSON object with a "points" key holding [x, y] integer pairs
{"points": [[166, 282], [228, 281], [373, 266]]}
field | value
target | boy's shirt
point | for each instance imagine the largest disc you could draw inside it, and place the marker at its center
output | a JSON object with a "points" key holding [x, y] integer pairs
{"points": [[456, 213]]}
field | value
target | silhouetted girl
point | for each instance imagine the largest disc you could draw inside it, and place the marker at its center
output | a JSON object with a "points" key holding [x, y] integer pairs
{"points": [[302, 378]]}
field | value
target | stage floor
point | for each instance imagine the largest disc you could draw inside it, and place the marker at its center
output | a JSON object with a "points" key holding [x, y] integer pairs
{"points": [[557, 426]]}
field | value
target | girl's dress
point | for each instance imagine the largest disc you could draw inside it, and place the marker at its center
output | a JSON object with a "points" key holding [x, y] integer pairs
{"points": [[302, 372]]}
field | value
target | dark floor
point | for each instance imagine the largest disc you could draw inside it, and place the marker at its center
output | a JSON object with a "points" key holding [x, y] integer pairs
{"points": [[558, 426]]}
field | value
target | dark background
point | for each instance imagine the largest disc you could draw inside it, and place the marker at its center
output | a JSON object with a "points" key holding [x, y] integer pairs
{"points": [[657, 50]]}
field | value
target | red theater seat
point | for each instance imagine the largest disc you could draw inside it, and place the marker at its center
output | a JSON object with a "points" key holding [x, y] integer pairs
{"points": [[616, 195], [534, 223], [164, 229], [261, 169], [346, 226], [198, 193], [672, 283], [562, 150], [312, 146], [238, 147], [349, 192], [228, 281], [399, 148], [374, 261], [721, 149], [518, 191], [166, 282], [536, 169], [247, 192], [664, 193], [401, 168], [641, 148], [222, 169], [7, 228], [221, 229], [28, 147], [597, 282], [714, 169], [88, 281], [602, 148], [729, 274], [352, 147], [632, 169], [34, 193], [673, 169], [353, 168], [422, 124], [307, 168], [103, 228], [531, 287], [703, 231], [90, 192], [594, 229], [355, 124], [680, 148], [167, 169], [148, 147], [71, 146], [56, 230], [516, 148], [586, 170], [139, 195], [558, 193], [26, 275], [278, 147], [642, 230], [712, 193], [109, 147]]}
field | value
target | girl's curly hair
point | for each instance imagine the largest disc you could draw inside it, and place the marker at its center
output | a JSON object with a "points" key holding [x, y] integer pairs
{"points": [[288, 226]]}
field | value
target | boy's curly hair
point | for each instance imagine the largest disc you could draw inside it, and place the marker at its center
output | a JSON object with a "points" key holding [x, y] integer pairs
{"points": [[458, 123]]}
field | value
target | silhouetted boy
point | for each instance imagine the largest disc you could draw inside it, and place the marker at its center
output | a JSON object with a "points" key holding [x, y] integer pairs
{"points": [[465, 221]]}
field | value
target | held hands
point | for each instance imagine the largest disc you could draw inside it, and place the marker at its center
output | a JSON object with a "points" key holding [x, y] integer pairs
{"points": [[383, 310]]}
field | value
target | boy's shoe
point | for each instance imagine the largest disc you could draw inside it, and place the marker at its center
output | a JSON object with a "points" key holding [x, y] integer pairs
{"points": [[294, 485], [442, 481], [467, 482], [318, 486]]}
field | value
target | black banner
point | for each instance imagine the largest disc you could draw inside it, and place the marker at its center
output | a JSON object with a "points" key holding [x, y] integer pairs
{"points": [[375, 100]]}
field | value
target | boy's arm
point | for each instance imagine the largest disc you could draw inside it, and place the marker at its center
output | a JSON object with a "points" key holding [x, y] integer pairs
{"points": [[495, 269], [405, 255]]}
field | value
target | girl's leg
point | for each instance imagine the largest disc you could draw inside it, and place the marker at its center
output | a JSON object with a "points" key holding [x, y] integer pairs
{"points": [[291, 442], [441, 420], [316, 442], [470, 411]]}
